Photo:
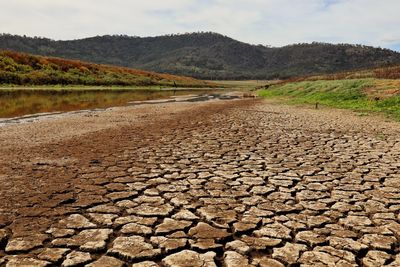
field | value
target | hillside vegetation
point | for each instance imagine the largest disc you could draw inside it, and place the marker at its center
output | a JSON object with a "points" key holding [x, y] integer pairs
{"points": [[376, 90], [25, 69], [209, 55], [392, 72]]}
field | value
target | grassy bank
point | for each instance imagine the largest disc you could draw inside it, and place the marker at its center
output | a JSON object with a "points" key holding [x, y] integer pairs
{"points": [[362, 95]]}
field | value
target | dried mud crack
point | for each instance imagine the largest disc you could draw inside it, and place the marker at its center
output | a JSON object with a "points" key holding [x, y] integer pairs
{"points": [[221, 183]]}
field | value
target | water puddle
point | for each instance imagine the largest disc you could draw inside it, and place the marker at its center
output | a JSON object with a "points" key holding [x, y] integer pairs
{"points": [[17, 106], [23, 102]]}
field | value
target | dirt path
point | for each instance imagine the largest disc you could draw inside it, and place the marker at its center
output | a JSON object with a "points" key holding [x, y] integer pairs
{"points": [[230, 183]]}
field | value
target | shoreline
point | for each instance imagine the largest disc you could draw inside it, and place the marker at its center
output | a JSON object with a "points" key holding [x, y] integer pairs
{"points": [[173, 99]]}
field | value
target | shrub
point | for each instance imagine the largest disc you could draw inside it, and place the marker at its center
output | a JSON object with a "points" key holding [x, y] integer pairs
{"points": [[25, 69]]}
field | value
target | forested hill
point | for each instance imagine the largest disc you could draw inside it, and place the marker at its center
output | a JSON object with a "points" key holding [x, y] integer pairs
{"points": [[208, 55], [18, 68]]}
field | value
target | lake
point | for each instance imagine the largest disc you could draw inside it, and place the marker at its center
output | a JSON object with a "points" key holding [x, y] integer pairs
{"points": [[20, 102]]}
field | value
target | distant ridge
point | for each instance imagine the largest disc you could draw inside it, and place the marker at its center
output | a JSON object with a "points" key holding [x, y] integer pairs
{"points": [[208, 55]]}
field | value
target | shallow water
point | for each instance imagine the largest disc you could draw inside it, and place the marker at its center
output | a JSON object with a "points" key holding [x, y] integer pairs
{"points": [[20, 102]]}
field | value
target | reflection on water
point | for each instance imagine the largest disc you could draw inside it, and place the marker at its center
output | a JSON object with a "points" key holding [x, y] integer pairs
{"points": [[14, 103]]}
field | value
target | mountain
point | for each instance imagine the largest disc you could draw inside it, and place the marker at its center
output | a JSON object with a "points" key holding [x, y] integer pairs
{"points": [[208, 55], [24, 69]]}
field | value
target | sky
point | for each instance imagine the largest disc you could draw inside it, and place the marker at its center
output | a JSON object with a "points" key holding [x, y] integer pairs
{"points": [[266, 22]]}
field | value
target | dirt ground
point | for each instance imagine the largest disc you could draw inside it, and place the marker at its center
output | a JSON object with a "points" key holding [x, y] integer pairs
{"points": [[217, 183]]}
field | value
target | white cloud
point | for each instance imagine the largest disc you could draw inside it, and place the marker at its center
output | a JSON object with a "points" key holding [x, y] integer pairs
{"points": [[274, 22]]}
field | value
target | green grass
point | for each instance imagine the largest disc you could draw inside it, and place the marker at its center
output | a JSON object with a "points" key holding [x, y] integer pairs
{"points": [[345, 94]]}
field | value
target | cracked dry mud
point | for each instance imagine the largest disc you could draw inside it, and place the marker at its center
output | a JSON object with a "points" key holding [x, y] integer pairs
{"points": [[235, 183]]}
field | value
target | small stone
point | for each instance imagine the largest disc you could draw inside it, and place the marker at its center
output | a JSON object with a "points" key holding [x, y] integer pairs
{"points": [[20, 244], [105, 209], [133, 248], [251, 220], [317, 221], [345, 207], [215, 213], [121, 195], [355, 221], [254, 211], [53, 254], [342, 254], [275, 230], [155, 200], [260, 243], [318, 258], [378, 241], [91, 240], [137, 229], [117, 187], [379, 230], [394, 227], [290, 253], [375, 258], [170, 188], [346, 244], [205, 231], [204, 244], [126, 204], [339, 231], [76, 221], [106, 261], [149, 210], [55, 232], [168, 244], [234, 259], [103, 219], [179, 234], [311, 238], [145, 264], [27, 262], [238, 246], [148, 221], [76, 258], [171, 225], [185, 215], [327, 256], [266, 262], [241, 227], [189, 258], [297, 226]]}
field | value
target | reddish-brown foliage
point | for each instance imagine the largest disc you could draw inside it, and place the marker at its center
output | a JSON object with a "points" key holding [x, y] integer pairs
{"points": [[392, 72], [82, 72], [388, 73]]}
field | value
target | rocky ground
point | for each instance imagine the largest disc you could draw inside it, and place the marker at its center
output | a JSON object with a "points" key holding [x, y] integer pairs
{"points": [[220, 183]]}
